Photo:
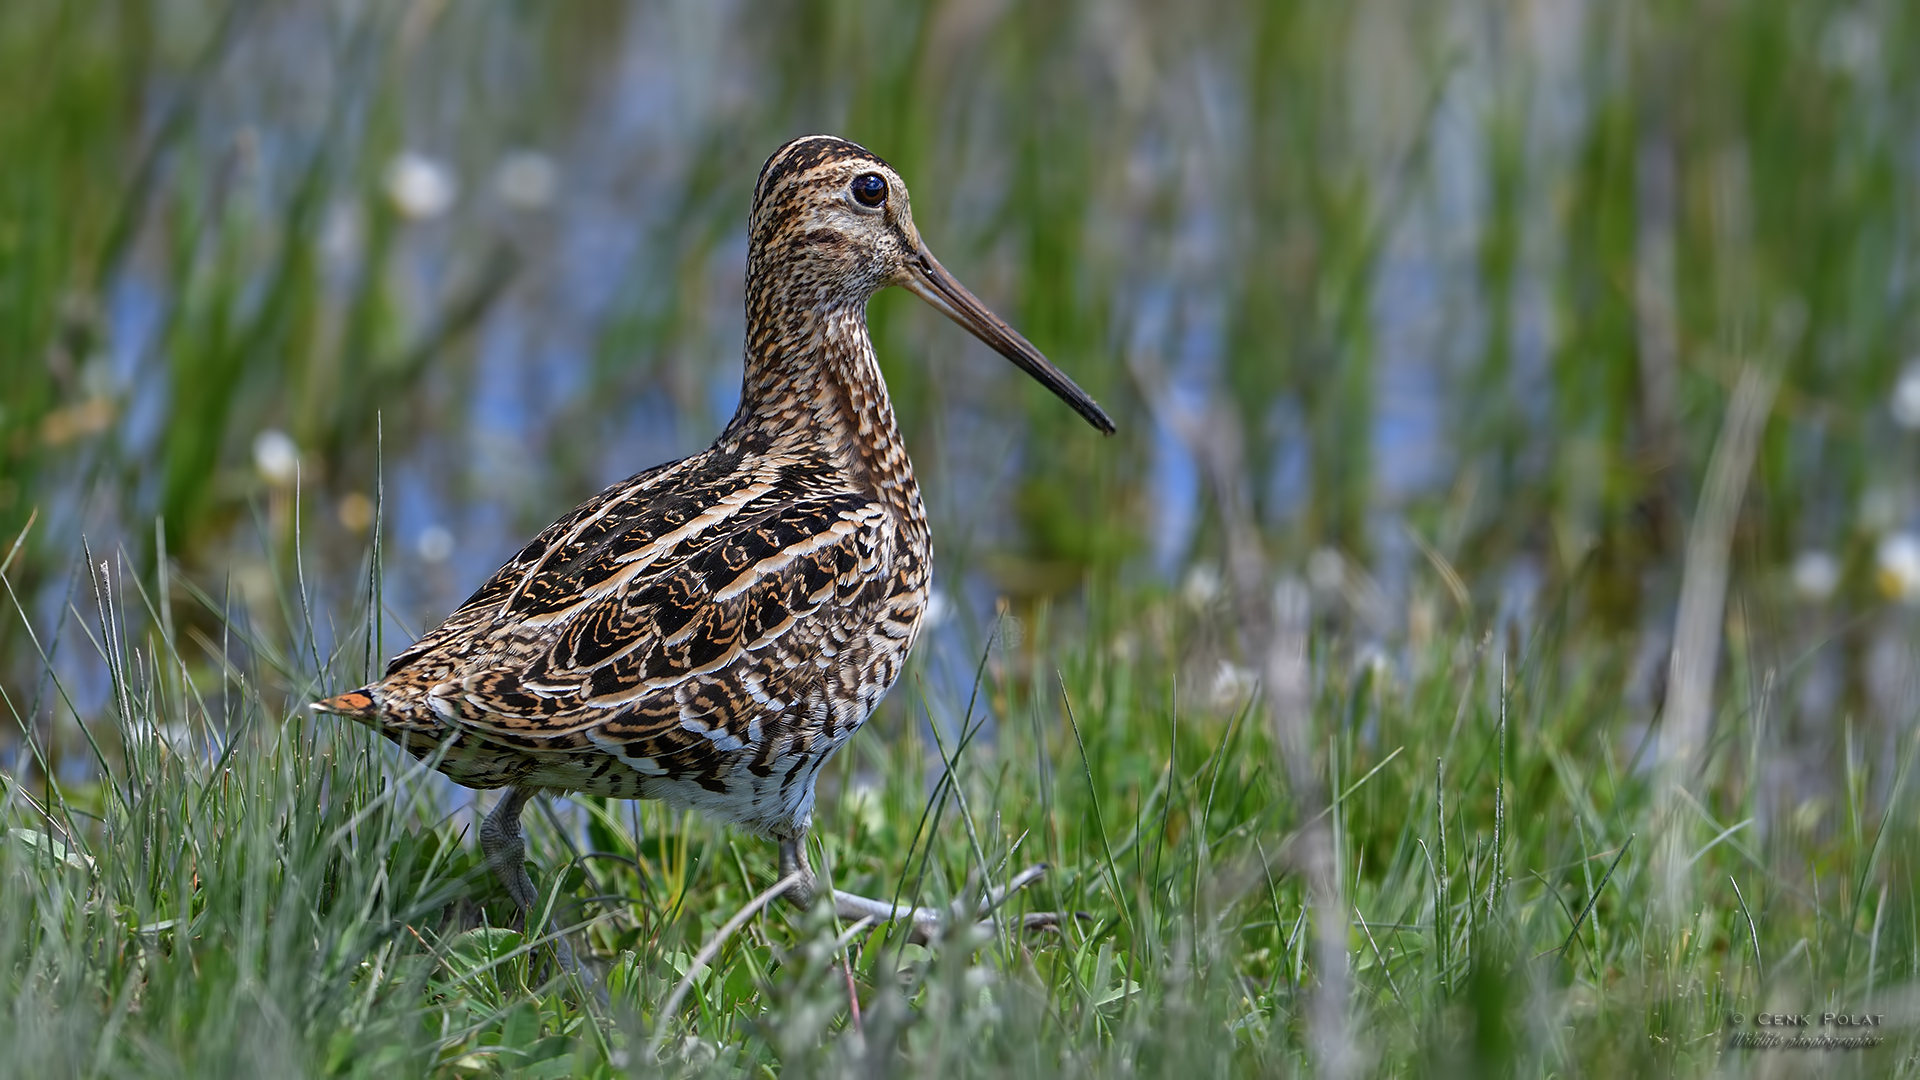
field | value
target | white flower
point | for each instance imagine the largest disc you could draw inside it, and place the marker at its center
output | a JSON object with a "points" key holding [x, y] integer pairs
{"points": [[1231, 685], [1202, 585], [864, 801], [275, 456], [1374, 660], [435, 543], [420, 187], [527, 180], [1326, 570], [1899, 565], [1906, 397], [939, 608], [1816, 574]]}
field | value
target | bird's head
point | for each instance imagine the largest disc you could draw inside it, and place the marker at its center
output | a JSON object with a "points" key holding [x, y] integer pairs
{"points": [[833, 223]]}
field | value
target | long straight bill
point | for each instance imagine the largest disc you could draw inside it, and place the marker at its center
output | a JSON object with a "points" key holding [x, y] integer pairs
{"points": [[930, 282]]}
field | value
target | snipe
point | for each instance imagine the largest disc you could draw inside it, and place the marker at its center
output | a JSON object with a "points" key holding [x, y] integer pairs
{"points": [[710, 631]]}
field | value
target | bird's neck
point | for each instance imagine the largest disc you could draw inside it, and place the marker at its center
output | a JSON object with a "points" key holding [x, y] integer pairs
{"points": [[813, 383]]}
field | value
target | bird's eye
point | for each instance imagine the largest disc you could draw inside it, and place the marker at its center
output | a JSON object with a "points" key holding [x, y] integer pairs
{"points": [[870, 189]]}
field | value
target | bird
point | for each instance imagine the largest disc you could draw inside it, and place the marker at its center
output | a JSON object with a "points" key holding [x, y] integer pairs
{"points": [[708, 632]]}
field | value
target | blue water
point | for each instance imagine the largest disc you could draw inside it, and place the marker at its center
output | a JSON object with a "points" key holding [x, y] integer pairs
{"points": [[618, 346]]}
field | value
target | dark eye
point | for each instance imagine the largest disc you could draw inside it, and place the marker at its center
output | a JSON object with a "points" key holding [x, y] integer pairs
{"points": [[870, 189]]}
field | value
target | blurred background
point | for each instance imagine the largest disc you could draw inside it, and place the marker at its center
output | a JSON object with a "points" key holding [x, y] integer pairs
{"points": [[1457, 291]]}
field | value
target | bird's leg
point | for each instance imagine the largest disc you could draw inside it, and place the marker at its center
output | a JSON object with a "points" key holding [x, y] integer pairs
{"points": [[506, 853], [793, 857]]}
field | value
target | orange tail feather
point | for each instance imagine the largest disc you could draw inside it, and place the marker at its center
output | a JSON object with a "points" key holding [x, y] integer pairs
{"points": [[352, 703]]}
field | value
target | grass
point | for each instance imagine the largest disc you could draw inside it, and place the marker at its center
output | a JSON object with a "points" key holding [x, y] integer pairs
{"points": [[282, 895], [1467, 291]]}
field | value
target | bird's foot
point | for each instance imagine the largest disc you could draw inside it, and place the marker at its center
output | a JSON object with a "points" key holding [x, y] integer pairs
{"points": [[929, 923]]}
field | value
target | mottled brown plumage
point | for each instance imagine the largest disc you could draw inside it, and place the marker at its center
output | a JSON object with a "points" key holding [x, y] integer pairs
{"points": [[710, 631]]}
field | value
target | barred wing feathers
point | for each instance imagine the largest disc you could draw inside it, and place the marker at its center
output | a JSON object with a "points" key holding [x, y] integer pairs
{"points": [[681, 622]]}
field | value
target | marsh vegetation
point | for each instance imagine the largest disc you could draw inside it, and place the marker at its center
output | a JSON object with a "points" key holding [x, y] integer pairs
{"points": [[1487, 647]]}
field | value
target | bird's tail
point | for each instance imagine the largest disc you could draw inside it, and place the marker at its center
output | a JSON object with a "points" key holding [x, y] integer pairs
{"points": [[359, 704]]}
